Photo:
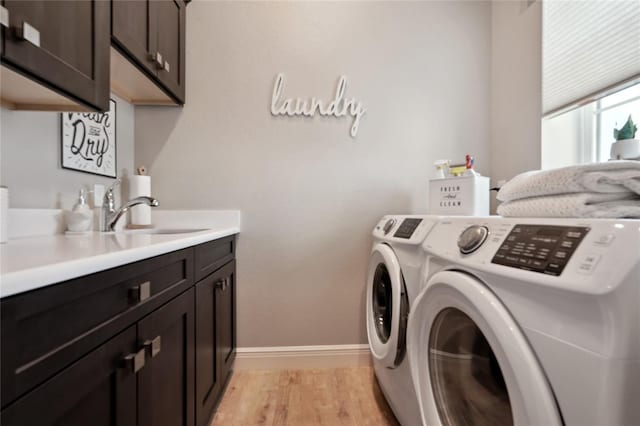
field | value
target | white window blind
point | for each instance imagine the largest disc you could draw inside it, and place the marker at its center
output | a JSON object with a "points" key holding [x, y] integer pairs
{"points": [[589, 48]]}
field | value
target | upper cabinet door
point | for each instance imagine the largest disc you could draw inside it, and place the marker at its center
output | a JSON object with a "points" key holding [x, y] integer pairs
{"points": [[171, 44], [132, 26], [63, 43], [151, 34]]}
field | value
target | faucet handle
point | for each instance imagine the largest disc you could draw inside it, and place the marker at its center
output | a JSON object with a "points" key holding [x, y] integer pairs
{"points": [[115, 183], [108, 194]]}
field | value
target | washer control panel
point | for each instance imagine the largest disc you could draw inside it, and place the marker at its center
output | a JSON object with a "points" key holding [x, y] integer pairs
{"points": [[540, 248]]}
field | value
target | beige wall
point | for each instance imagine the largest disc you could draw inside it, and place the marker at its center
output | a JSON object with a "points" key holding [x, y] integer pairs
{"points": [[309, 194], [516, 87], [30, 158]]}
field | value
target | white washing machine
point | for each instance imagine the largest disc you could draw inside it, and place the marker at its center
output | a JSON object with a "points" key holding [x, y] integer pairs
{"points": [[528, 322], [393, 283]]}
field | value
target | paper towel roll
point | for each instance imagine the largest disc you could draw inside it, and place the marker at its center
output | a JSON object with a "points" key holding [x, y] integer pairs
{"points": [[140, 186], [4, 211]]}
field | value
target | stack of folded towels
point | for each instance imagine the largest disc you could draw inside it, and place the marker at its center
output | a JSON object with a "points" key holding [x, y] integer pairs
{"points": [[600, 190]]}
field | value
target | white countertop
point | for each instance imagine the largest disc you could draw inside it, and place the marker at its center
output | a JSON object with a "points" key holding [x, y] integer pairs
{"points": [[34, 262]]}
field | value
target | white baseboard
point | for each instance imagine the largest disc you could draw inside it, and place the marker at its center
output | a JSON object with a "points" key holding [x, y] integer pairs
{"points": [[301, 357]]}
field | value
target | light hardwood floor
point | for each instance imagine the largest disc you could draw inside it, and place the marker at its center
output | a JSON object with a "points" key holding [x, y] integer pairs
{"points": [[331, 397]]}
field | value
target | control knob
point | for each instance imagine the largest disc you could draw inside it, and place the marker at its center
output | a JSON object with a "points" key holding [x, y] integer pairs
{"points": [[472, 238], [388, 225]]}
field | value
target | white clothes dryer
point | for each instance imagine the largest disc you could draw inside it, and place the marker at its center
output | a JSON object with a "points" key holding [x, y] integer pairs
{"points": [[528, 322], [393, 282]]}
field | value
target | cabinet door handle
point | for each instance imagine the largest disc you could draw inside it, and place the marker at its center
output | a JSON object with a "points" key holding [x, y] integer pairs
{"points": [[141, 292], [157, 58], [153, 346], [220, 285], [159, 61], [28, 33], [134, 362], [4, 16], [225, 284], [167, 66]]}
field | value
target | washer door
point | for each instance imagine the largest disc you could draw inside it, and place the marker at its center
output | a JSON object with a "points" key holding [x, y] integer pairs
{"points": [[470, 362], [387, 307]]}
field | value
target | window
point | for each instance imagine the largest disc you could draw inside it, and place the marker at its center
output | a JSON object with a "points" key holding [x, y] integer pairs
{"points": [[590, 77], [584, 135]]}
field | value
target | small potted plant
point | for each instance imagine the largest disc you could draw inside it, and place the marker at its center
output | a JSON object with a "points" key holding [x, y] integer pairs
{"points": [[626, 147]]}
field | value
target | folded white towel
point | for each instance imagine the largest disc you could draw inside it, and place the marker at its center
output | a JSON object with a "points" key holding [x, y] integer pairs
{"points": [[610, 177], [585, 204]]}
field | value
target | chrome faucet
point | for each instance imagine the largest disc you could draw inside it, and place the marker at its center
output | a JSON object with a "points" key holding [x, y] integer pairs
{"points": [[111, 215]]}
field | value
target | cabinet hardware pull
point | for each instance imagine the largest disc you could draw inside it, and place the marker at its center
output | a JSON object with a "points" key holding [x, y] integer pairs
{"points": [[224, 284], [153, 346], [28, 33], [4, 16], [159, 61], [220, 285], [134, 362], [167, 66], [141, 292]]}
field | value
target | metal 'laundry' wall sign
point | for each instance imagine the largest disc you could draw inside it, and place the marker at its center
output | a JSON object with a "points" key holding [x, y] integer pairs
{"points": [[339, 106]]}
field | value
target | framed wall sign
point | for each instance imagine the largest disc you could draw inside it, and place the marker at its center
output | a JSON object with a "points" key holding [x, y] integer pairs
{"points": [[89, 141]]}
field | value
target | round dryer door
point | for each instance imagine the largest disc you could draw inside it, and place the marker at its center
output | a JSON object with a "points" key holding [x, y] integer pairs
{"points": [[387, 307], [469, 360]]}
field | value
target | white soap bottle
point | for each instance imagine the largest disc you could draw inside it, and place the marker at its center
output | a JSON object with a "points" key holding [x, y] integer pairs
{"points": [[81, 217]]}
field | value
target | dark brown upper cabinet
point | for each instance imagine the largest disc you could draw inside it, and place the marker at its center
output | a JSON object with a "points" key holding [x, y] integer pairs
{"points": [[150, 34], [56, 53]]}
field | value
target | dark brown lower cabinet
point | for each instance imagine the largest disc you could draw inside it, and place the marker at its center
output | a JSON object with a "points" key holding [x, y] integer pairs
{"points": [[215, 337], [97, 390], [150, 373], [166, 382], [137, 345], [226, 321]]}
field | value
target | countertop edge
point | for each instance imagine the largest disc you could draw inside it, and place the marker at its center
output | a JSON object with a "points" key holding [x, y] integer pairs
{"points": [[29, 279]]}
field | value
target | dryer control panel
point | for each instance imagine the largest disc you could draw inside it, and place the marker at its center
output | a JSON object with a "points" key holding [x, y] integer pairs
{"points": [[407, 229], [540, 248]]}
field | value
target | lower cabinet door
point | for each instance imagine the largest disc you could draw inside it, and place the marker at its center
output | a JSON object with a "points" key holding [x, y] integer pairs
{"points": [[166, 383], [99, 389], [226, 321], [215, 337]]}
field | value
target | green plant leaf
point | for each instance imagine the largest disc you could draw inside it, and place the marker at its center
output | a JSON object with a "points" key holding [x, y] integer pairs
{"points": [[628, 131]]}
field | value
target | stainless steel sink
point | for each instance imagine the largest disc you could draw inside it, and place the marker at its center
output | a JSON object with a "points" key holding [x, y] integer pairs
{"points": [[165, 231]]}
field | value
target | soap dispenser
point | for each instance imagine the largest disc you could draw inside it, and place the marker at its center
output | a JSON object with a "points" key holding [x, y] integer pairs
{"points": [[81, 217]]}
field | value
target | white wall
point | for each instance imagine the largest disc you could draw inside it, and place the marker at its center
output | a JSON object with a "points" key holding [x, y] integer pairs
{"points": [[30, 158], [516, 87], [309, 194]]}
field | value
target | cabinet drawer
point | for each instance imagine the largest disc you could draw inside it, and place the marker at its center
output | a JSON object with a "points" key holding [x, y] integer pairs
{"points": [[212, 255], [47, 329], [95, 390]]}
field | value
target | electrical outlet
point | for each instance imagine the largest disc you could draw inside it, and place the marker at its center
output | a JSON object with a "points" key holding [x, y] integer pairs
{"points": [[98, 194]]}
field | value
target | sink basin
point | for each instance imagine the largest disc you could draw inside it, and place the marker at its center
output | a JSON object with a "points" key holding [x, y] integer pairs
{"points": [[165, 231]]}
